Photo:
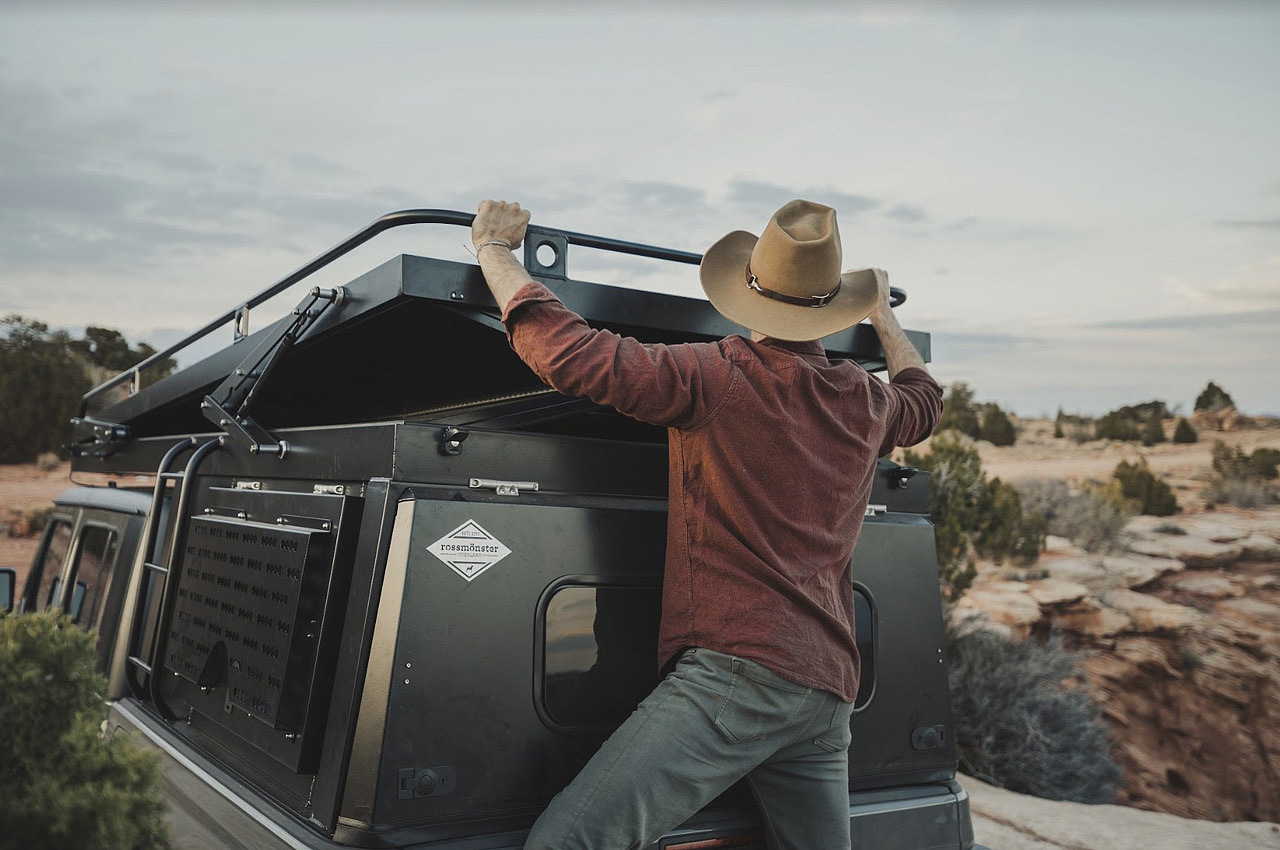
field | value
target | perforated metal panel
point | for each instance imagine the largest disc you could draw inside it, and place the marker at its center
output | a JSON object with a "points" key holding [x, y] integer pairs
{"points": [[240, 587]]}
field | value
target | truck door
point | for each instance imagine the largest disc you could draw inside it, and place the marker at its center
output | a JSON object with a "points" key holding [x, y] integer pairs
{"points": [[45, 587]]}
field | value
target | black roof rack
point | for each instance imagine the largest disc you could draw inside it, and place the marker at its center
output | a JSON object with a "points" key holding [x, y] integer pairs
{"points": [[411, 337]]}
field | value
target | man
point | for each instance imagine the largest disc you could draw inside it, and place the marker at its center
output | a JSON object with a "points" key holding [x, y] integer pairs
{"points": [[772, 454]]}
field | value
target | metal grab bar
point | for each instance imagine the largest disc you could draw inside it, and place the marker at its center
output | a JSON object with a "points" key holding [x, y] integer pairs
{"points": [[379, 225]]}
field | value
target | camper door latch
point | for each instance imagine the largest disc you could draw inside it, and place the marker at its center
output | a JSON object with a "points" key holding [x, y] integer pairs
{"points": [[876, 510], [451, 440], [503, 488]]}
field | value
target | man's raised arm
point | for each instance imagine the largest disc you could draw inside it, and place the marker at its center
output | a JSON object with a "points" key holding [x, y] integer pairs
{"points": [[899, 353]]}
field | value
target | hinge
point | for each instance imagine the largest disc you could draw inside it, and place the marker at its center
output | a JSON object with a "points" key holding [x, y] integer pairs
{"points": [[503, 488], [873, 510]]}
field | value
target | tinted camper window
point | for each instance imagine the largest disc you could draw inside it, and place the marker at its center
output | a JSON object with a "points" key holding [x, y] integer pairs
{"points": [[94, 556], [600, 657], [50, 567]]}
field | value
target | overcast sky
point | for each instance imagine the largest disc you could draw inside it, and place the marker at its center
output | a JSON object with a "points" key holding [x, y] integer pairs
{"points": [[1083, 206]]}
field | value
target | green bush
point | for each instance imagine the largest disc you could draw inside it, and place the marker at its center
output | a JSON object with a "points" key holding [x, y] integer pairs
{"points": [[1153, 432], [1240, 478], [1020, 727], [1213, 398], [972, 515], [1004, 529], [62, 783], [1115, 426], [1147, 494], [1184, 433], [958, 411], [997, 428]]}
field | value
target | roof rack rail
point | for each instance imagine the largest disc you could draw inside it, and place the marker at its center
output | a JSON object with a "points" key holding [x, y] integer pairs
{"points": [[537, 238]]}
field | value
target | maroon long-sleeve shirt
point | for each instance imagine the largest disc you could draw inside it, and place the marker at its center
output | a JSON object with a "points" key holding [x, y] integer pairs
{"points": [[772, 455]]}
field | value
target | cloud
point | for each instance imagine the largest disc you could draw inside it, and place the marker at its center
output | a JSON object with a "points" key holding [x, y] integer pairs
{"points": [[906, 212], [1255, 224], [1197, 321], [767, 197], [959, 346]]}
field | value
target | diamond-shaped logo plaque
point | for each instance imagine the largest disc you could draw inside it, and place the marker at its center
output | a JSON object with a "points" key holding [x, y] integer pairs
{"points": [[469, 550]]}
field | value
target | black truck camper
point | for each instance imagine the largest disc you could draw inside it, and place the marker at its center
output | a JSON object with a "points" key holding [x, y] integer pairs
{"points": [[392, 591]]}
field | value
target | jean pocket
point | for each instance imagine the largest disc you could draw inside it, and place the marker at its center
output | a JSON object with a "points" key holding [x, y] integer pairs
{"points": [[839, 734], [752, 710]]}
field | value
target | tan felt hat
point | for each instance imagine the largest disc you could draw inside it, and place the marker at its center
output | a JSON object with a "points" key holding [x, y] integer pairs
{"points": [[787, 282]]}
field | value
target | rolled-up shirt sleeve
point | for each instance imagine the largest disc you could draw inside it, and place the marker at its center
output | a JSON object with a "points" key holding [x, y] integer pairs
{"points": [[915, 405], [668, 385]]}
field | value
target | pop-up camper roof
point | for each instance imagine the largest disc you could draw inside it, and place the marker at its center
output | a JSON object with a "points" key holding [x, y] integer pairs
{"points": [[414, 339]]}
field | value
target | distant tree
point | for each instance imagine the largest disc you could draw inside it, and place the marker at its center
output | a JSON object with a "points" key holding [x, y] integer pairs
{"points": [[1184, 433], [1057, 425], [1213, 398], [1153, 432], [1115, 426], [41, 381], [1148, 494], [997, 428], [958, 411], [108, 348]]}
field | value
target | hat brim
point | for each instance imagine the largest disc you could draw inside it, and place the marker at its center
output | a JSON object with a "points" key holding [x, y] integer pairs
{"points": [[723, 273]]}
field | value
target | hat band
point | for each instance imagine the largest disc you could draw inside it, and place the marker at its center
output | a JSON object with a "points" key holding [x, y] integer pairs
{"points": [[753, 284]]}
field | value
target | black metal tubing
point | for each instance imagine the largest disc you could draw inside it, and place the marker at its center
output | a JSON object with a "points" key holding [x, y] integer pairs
{"points": [[387, 222], [169, 596]]}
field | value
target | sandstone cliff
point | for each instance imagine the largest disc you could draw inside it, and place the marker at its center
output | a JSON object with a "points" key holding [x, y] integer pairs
{"points": [[1181, 637]]}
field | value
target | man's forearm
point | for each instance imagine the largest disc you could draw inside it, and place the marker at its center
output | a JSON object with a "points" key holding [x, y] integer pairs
{"points": [[503, 273], [899, 353]]}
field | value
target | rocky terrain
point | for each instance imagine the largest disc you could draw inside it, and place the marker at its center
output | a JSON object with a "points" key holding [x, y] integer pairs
{"points": [[1180, 632]]}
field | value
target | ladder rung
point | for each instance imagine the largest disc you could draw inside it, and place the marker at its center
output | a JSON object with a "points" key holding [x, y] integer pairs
{"points": [[156, 568], [140, 664], [173, 476]]}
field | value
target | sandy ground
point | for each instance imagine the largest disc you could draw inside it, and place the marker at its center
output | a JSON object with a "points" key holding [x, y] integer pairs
{"points": [[25, 486], [1037, 454]]}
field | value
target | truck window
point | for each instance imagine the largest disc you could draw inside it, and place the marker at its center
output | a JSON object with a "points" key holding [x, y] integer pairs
{"points": [[600, 652], [49, 568], [91, 571]]}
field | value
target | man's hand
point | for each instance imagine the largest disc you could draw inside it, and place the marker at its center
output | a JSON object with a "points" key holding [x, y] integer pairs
{"points": [[499, 221], [881, 308], [899, 353]]}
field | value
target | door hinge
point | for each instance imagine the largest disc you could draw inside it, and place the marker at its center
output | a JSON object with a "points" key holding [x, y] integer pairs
{"points": [[875, 510], [503, 488]]}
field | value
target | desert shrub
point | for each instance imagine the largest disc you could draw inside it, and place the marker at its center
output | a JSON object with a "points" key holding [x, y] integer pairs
{"points": [[997, 428], [35, 518], [62, 783], [1265, 463], [1240, 492], [1153, 432], [1092, 519], [1184, 433], [1213, 398], [1169, 528], [1147, 494], [47, 461], [958, 411], [1017, 724], [1115, 426]]}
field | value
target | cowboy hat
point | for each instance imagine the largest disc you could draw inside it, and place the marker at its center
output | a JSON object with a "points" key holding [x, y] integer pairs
{"points": [[786, 283]]}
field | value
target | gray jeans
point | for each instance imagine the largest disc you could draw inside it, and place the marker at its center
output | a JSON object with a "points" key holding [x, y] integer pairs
{"points": [[712, 721]]}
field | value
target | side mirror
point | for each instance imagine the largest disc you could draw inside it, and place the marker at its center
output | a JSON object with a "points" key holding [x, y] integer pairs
{"points": [[8, 578]]}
